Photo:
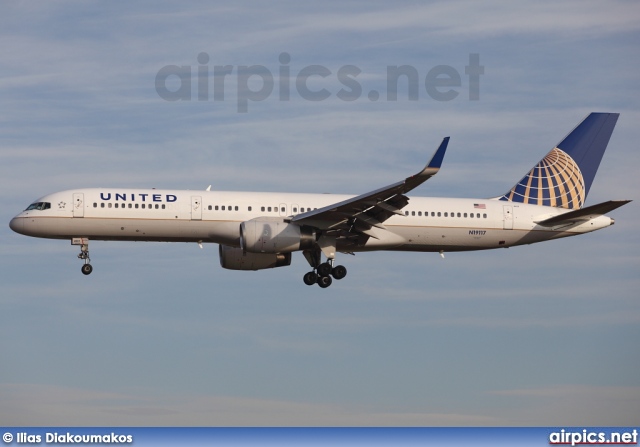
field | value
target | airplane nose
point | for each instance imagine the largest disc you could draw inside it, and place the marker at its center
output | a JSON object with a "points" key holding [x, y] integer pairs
{"points": [[17, 224]]}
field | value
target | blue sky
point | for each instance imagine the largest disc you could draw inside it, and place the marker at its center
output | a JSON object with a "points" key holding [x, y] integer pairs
{"points": [[159, 334]]}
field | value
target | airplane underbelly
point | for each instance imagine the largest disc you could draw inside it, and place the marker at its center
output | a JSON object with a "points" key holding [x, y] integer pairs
{"points": [[457, 239]]}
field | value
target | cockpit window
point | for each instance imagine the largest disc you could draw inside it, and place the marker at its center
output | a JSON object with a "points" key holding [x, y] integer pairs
{"points": [[39, 206]]}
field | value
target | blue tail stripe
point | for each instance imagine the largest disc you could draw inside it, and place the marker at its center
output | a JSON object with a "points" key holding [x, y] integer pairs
{"points": [[587, 142]]}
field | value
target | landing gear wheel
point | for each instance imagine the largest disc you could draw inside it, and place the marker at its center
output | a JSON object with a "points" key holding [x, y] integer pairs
{"points": [[339, 272], [86, 268], [324, 269], [310, 278], [324, 281]]}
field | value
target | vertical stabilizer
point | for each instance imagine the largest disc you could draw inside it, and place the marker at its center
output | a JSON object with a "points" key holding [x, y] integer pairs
{"points": [[564, 176]]}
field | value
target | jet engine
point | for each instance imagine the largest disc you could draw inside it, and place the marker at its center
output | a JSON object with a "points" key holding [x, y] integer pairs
{"points": [[274, 235], [234, 258]]}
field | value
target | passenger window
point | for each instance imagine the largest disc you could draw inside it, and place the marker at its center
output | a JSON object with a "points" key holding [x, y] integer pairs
{"points": [[484, 216], [116, 204], [129, 206], [438, 213], [102, 205], [419, 213], [406, 213], [249, 208], [302, 210], [282, 209], [236, 208], [478, 215], [143, 206], [446, 214], [210, 207], [269, 209], [465, 214], [164, 207], [262, 209], [458, 214], [157, 206], [295, 210], [95, 205], [222, 207], [109, 205], [471, 215], [136, 206]]}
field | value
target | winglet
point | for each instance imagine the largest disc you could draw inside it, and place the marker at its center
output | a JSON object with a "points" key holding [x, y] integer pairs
{"points": [[430, 169], [436, 160]]}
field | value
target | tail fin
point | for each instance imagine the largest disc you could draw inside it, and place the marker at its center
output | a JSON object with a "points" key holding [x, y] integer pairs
{"points": [[563, 178]]}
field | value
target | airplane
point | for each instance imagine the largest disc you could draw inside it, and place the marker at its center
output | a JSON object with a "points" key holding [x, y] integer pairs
{"points": [[260, 230]]}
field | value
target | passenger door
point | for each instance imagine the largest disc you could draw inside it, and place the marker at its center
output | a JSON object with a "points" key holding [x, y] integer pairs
{"points": [[78, 204], [196, 208]]}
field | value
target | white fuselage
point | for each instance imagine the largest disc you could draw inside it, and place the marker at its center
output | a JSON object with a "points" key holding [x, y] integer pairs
{"points": [[429, 224]]}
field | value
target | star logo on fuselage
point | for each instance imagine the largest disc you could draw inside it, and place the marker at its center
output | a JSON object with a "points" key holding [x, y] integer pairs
{"points": [[61, 205]]}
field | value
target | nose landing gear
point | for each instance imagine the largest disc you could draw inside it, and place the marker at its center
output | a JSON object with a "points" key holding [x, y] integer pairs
{"points": [[86, 268]]}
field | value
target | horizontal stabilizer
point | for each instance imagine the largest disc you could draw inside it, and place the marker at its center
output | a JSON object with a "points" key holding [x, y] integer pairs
{"points": [[583, 213]]}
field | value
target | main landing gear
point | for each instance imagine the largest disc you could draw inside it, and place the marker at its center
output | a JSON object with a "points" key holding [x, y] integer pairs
{"points": [[322, 274], [86, 268]]}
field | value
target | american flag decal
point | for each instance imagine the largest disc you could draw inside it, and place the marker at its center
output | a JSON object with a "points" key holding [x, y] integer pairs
{"points": [[480, 206]]}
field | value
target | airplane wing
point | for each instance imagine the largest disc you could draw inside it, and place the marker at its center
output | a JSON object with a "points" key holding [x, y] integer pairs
{"points": [[584, 213], [356, 216]]}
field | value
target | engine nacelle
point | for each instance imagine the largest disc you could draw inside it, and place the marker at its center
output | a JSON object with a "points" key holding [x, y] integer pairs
{"points": [[233, 258], [274, 235]]}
